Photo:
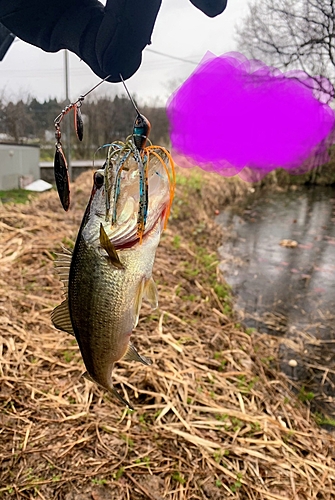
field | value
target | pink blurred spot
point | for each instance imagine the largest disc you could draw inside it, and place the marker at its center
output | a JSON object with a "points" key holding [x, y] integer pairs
{"points": [[239, 116]]}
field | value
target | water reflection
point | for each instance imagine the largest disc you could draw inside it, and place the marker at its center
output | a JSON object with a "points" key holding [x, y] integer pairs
{"points": [[281, 290]]}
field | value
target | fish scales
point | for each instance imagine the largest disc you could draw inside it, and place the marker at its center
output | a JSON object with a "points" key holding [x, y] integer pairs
{"points": [[108, 297]]}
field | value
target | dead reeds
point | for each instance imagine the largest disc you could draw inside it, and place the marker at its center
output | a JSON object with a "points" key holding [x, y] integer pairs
{"points": [[214, 417]]}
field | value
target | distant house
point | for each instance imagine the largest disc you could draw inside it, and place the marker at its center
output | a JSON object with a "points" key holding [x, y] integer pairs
{"points": [[6, 138], [19, 165]]}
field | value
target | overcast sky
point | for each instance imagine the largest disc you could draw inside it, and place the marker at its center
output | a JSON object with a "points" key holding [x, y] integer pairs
{"points": [[181, 30]]}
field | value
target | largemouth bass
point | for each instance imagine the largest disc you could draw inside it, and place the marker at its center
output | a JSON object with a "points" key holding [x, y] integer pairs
{"points": [[110, 269]]}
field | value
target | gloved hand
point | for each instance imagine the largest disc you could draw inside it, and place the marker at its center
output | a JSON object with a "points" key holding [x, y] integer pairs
{"points": [[109, 39]]}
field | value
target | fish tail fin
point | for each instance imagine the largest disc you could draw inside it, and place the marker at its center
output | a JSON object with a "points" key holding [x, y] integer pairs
{"points": [[111, 390]]}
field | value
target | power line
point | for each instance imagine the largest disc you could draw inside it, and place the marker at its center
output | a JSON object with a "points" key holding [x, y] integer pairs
{"points": [[55, 72], [43, 73], [171, 57]]}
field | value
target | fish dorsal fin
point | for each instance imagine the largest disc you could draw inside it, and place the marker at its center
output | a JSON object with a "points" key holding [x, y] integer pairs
{"points": [[62, 265], [150, 293], [138, 301], [60, 317], [133, 355], [110, 249], [66, 252]]}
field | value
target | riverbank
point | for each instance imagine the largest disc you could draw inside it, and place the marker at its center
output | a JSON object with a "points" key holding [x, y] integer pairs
{"points": [[320, 176], [214, 415]]}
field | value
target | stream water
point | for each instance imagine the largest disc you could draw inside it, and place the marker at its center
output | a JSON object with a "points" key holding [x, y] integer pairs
{"points": [[279, 257]]}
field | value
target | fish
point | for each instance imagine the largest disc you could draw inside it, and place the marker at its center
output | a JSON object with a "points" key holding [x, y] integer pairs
{"points": [[109, 271]]}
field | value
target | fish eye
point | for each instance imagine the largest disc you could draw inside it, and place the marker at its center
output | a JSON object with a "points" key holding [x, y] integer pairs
{"points": [[98, 179]]}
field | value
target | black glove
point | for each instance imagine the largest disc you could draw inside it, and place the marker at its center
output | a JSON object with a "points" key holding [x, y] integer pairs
{"points": [[109, 39], [6, 40], [210, 7]]}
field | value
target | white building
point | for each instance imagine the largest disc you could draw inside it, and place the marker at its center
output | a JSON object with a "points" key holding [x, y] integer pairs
{"points": [[19, 165]]}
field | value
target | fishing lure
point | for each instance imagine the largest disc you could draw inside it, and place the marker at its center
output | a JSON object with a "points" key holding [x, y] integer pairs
{"points": [[135, 146], [119, 152], [61, 170], [117, 160]]}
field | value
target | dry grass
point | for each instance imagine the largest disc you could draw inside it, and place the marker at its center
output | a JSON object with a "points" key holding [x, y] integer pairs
{"points": [[213, 419]]}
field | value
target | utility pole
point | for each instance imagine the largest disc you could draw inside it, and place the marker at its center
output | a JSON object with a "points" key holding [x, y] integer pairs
{"points": [[68, 125]]}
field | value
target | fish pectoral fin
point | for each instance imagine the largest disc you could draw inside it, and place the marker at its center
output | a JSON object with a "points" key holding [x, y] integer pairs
{"points": [[150, 293], [138, 301], [109, 389], [110, 249], [60, 317], [147, 289], [133, 355]]}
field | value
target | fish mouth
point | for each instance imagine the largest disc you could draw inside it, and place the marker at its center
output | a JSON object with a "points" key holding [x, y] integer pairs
{"points": [[124, 235], [129, 243], [117, 201]]}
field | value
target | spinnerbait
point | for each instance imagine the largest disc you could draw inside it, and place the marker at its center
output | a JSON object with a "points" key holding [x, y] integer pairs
{"points": [[61, 170]]}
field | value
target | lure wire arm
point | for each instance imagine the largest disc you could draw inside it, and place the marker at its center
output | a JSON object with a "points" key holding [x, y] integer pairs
{"points": [[136, 146]]}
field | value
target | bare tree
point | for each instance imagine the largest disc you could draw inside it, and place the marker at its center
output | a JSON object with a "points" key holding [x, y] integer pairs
{"points": [[292, 34], [17, 120]]}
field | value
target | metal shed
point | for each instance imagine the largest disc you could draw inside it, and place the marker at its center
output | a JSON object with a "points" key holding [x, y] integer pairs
{"points": [[19, 165]]}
